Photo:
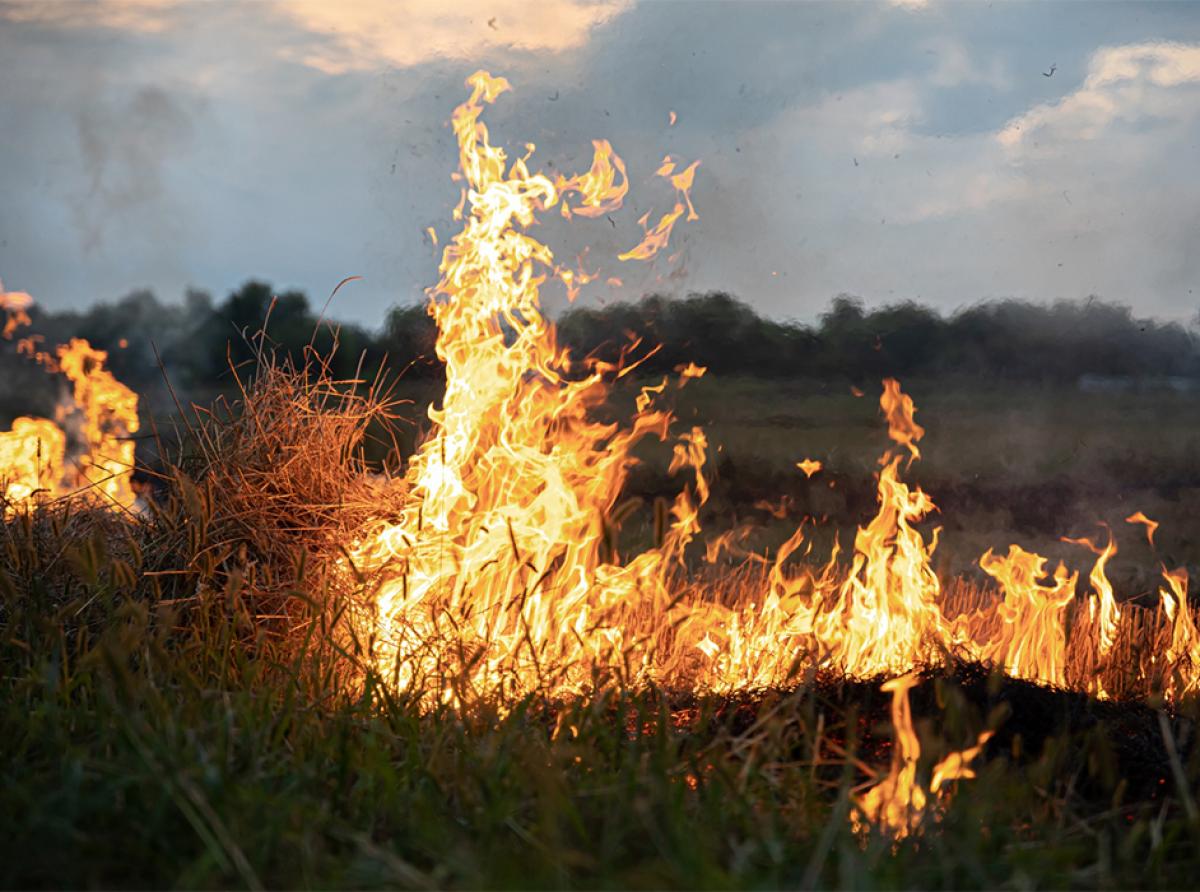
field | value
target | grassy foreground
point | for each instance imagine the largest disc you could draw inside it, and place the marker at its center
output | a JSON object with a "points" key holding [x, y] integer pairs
{"points": [[139, 754], [182, 705]]}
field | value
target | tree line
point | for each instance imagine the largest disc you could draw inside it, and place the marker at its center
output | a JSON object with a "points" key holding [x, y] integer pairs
{"points": [[198, 339]]}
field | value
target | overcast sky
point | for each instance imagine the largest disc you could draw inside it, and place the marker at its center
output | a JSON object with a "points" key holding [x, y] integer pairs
{"points": [[941, 151]]}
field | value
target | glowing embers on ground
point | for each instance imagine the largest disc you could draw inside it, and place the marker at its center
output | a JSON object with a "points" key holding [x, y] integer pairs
{"points": [[87, 451]]}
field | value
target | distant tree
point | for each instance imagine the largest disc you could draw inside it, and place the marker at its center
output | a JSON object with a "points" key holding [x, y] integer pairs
{"points": [[408, 340]]}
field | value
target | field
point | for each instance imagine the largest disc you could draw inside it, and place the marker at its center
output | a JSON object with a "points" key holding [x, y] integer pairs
{"points": [[170, 728], [1004, 463]]}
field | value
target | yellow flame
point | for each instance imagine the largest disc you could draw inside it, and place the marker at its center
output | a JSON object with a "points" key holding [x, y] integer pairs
{"points": [[899, 409], [1031, 640], [16, 305], [499, 570], [34, 452], [1150, 525], [32, 455], [898, 804], [809, 466], [602, 189], [1183, 653]]}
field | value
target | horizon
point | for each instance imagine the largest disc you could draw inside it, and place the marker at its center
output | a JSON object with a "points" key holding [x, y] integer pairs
{"points": [[559, 308]]}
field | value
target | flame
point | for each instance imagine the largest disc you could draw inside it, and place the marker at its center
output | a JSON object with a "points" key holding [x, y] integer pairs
{"points": [[101, 411], [1031, 641], [657, 237], [109, 418], [1183, 653], [501, 572], [898, 804], [1101, 600], [32, 454], [1150, 525], [599, 189], [899, 409], [809, 466], [16, 305], [503, 537]]}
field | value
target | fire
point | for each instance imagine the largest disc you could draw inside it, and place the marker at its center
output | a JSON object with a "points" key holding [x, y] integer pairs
{"points": [[899, 803], [1031, 640], [809, 466], [107, 416], [500, 572], [1150, 525], [657, 237], [502, 547], [1183, 653], [495, 566], [16, 306], [100, 413], [31, 454]]}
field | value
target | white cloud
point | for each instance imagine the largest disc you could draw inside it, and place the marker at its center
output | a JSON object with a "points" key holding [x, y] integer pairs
{"points": [[370, 33], [1094, 193], [362, 35], [1124, 83]]}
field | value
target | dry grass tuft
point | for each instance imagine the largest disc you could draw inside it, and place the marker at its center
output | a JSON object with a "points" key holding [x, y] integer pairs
{"points": [[244, 526], [277, 480]]}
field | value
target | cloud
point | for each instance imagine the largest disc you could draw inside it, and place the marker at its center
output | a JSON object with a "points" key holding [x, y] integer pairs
{"points": [[364, 35], [1130, 83], [370, 33], [138, 16], [1090, 194]]}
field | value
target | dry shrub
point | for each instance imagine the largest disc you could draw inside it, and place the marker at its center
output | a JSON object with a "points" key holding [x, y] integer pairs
{"points": [[276, 482]]}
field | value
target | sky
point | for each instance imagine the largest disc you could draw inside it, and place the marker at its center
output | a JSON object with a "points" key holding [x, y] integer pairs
{"points": [[943, 152]]}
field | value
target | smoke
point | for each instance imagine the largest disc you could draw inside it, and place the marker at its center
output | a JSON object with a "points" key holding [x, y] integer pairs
{"points": [[125, 148]]}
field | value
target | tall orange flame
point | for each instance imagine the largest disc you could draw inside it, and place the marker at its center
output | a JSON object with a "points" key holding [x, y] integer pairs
{"points": [[501, 572]]}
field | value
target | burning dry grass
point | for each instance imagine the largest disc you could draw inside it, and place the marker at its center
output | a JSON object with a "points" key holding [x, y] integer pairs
{"points": [[275, 479], [241, 527], [474, 616], [202, 656]]}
